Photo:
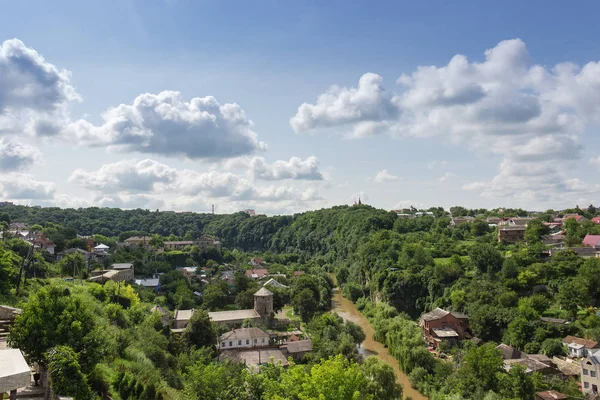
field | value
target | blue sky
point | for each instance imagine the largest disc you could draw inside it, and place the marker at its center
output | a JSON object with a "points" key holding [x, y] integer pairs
{"points": [[511, 130]]}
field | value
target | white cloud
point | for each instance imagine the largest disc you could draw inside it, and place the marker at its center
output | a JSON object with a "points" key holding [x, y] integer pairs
{"points": [[447, 176], [437, 164], [166, 124], [365, 106], [17, 156], [19, 186], [595, 161], [384, 176], [32, 91], [131, 201], [505, 105], [143, 176], [295, 168]]}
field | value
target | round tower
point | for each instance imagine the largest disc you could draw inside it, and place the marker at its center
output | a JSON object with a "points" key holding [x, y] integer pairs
{"points": [[263, 302]]}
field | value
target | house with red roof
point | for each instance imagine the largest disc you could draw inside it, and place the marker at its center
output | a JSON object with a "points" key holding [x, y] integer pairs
{"points": [[592, 241], [596, 220], [576, 217]]}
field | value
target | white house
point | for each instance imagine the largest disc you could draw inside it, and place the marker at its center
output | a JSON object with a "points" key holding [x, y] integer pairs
{"points": [[578, 347], [590, 372], [243, 338]]}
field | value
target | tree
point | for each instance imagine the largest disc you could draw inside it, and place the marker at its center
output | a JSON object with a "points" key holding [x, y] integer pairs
{"points": [[553, 347], [517, 384], [200, 331], [9, 266], [66, 377], [573, 229], [486, 258], [305, 305], [214, 296], [72, 265], [480, 368], [54, 316], [572, 294], [534, 231], [382, 380]]}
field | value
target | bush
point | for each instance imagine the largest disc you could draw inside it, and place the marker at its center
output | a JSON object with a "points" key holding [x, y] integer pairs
{"points": [[352, 291]]}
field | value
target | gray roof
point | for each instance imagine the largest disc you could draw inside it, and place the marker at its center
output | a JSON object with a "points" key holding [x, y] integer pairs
{"points": [[274, 283], [263, 292], [509, 352], [184, 315], [147, 282], [122, 266], [445, 332], [235, 315], [299, 346], [439, 313], [14, 371], [244, 333]]}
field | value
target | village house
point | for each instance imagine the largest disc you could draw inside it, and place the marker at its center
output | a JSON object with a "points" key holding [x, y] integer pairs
{"points": [[441, 325], [256, 262], [135, 242], [509, 352], [87, 256], [273, 283], [592, 241], [596, 220], [298, 273], [590, 372], [257, 273], [532, 365], [150, 283], [460, 220], [297, 348], [517, 221], [188, 272], [41, 242], [244, 338], [178, 244], [120, 272], [511, 233], [101, 250], [576, 217], [204, 242], [253, 358], [550, 395], [578, 347]]}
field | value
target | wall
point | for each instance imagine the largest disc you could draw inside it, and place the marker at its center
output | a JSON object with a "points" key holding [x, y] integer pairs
{"points": [[262, 341], [7, 312]]}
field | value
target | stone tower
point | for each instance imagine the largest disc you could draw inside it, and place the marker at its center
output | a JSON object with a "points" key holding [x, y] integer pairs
{"points": [[263, 302]]}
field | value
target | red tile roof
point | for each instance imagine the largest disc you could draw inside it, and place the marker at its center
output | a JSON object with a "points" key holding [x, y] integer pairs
{"points": [[298, 273], [591, 240], [596, 220], [590, 344]]}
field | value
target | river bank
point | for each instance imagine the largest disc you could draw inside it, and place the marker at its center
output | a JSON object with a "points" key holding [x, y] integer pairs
{"points": [[348, 311]]}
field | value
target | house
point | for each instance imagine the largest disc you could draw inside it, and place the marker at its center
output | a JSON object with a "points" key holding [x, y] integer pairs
{"points": [[517, 221], [204, 242], [256, 262], [181, 319], [178, 244], [298, 273], [590, 372], [86, 254], [164, 314], [41, 242], [117, 273], [250, 212], [509, 352], [273, 283], [188, 272], [253, 358], [135, 242], [257, 273], [460, 220], [596, 220], [576, 217], [511, 233], [441, 325], [578, 347], [550, 395], [532, 365], [297, 348], [263, 308], [151, 283], [592, 241], [101, 250], [244, 338]]}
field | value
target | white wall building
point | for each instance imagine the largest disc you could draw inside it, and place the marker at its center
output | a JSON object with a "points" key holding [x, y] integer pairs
{"points": [[243, 338]]}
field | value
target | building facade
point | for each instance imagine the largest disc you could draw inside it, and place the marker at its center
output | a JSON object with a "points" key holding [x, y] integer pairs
{"points": [[441, 325], [590, 373], [244, 338]]}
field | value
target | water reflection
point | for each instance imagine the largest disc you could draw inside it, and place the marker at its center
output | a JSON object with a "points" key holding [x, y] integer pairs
{"points": [[347, 310]]}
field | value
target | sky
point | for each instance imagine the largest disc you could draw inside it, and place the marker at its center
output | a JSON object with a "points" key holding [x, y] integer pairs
{"points": [[286, 106]]}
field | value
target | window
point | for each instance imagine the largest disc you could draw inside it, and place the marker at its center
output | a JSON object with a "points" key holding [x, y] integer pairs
{"points": [[230, 344], [263, 340], [594, 388], [585, 371], [586, 385], [222, 344], [247, 341], [255, 341], [239, 342], [443, 325], [592, 373]]}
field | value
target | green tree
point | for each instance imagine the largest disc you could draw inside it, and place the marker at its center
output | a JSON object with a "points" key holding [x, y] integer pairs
{"points": [[480, 368], [200, 331], [553, 347], [517, 384], [486, 258], [54, 316], [66, 377], [535, 230], [305, 305], [9, 267], [72, 265], [382, 380]]}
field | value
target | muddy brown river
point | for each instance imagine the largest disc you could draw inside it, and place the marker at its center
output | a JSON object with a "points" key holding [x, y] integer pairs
{"points": [[347, 310]]}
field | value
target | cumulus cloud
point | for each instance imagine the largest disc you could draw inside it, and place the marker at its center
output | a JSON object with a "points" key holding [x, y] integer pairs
{"points": [[142, 176], [16, 156], [366, 107], [32, 90], [504, 105], [166, 124], [131, 201], [19, 186], [384, 176], [295, 168]]}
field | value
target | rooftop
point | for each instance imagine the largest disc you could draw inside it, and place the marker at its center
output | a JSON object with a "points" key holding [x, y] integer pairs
{"points": [[224, 316], [445, 332], [590, 344], [439, 313], [243, 333], [256, 356], [263, 292], [147, 282], [122, 266], [509, 352], [299, 346], [551, 395], [184, 315], [14, 371]]}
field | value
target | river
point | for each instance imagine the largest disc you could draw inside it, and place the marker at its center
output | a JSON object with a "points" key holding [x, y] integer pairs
{"points": [[347, 310]]}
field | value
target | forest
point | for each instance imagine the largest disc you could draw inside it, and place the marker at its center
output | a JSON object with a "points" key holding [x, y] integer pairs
{"points": [[393, 268]]}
